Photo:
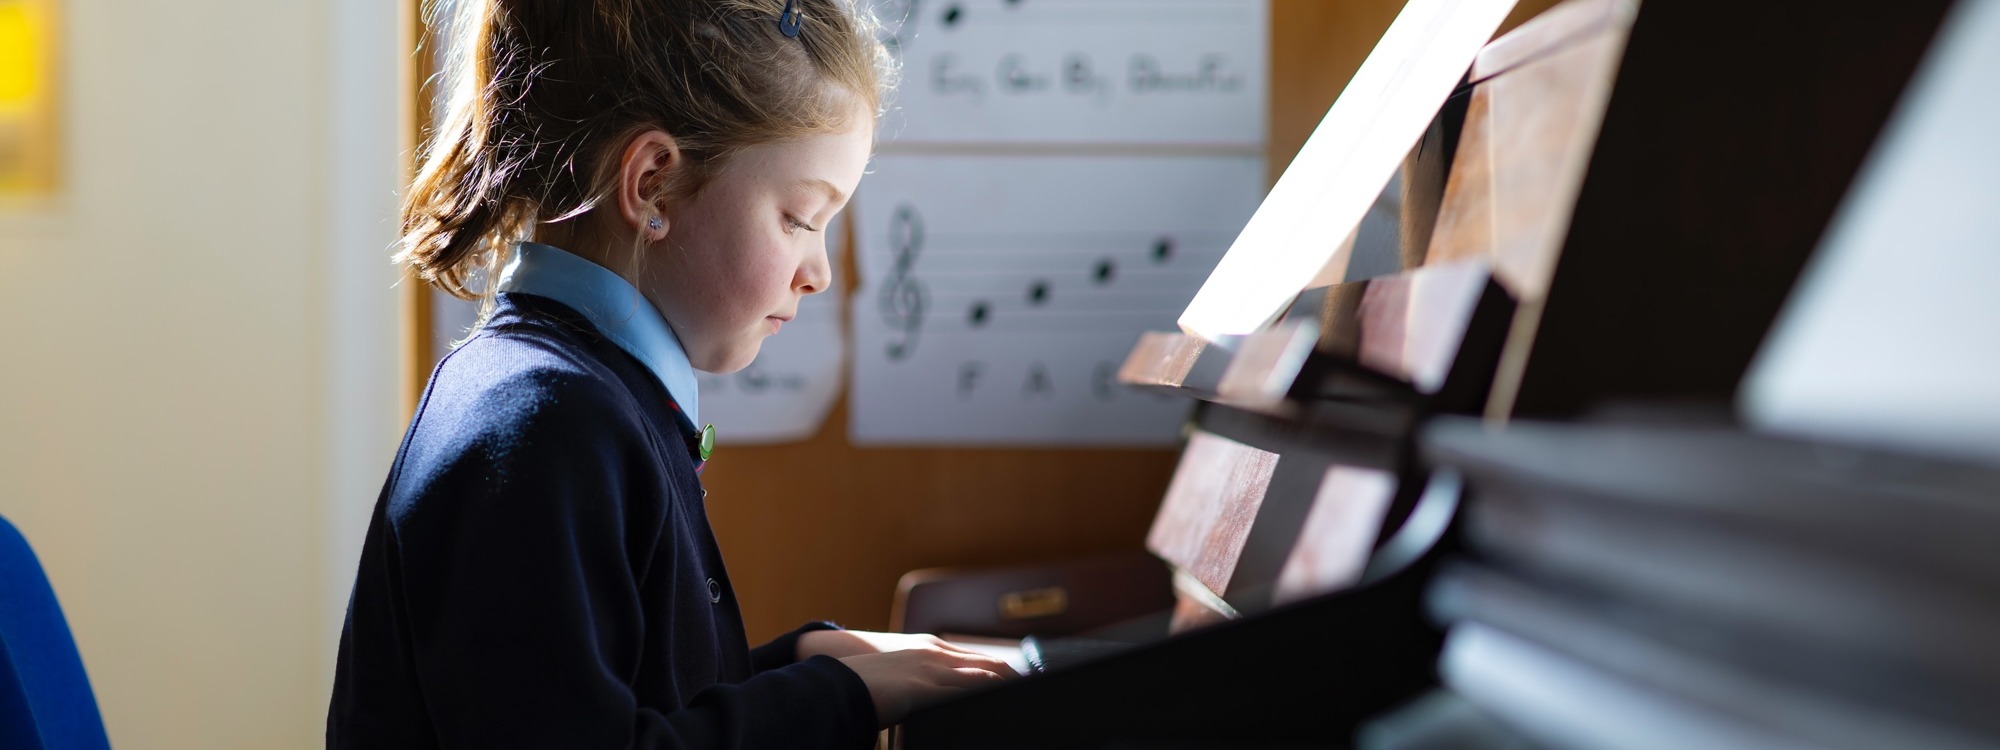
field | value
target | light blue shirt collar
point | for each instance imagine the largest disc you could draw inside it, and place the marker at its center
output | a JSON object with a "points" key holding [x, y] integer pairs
{"points": [[613, 305]]}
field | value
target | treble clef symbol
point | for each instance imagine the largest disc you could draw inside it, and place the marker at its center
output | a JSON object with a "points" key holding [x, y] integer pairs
{"points": [[904, 299]]}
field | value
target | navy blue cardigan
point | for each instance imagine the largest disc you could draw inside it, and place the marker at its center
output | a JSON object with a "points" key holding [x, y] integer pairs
{"points": [[540, 572]]}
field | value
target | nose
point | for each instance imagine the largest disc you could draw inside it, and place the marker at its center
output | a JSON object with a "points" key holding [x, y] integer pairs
{"points": [[815, 273]]}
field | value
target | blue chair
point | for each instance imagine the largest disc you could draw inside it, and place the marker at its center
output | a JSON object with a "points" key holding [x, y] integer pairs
{"points": [[45, 698]]}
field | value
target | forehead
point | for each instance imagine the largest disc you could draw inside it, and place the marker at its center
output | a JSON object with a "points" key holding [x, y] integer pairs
{"points": [[808, 164]]}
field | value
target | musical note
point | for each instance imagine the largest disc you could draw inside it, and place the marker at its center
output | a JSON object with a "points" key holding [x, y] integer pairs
{"points": [[1046, 268], [1105, 270], [904, 298], [1041, 293], [956, 12]]}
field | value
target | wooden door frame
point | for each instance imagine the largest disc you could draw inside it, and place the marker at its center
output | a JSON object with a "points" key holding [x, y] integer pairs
{"points": [[418, 71]]}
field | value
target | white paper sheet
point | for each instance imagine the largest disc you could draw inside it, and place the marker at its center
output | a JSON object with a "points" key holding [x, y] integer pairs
{"points": [[1000, 294], [1343, 166], [787, 392], [1079, 71]]}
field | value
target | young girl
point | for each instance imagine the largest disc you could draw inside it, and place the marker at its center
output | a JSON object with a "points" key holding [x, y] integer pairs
{"points": [[539, 571]]}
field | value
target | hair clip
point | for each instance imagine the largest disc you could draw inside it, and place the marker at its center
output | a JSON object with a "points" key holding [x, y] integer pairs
{"points": [[789, 19]]}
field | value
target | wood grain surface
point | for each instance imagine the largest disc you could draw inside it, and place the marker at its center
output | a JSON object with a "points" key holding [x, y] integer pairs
{"points": [[1206, 516], [1527, 140]]}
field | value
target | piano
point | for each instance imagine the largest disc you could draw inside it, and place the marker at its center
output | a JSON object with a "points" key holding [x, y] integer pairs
{"points": [[1609, 203]]}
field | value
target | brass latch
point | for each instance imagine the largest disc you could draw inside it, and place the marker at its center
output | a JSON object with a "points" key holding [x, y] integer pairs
{"points": [[1033, 603]]}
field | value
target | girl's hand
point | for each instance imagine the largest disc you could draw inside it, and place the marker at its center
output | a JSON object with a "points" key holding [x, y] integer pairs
{"points": [[841, 644], [905, 680]]}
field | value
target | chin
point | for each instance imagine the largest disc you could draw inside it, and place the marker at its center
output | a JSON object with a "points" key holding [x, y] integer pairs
{"points": [[726, 362]]}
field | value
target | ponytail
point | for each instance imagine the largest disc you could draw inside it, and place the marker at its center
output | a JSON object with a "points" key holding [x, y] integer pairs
{"points": [[546, 92]]}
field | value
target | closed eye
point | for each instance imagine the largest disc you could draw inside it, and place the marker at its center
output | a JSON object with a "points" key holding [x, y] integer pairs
{"points": [[792, 224]]}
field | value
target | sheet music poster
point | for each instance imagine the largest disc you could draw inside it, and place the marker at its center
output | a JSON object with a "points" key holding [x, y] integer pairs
{"points": [[1056, 178]]}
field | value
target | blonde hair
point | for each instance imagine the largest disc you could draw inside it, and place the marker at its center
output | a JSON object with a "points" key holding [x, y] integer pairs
{"points": [[547, 92]]}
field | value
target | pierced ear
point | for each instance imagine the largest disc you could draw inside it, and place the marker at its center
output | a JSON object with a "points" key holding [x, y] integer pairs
{"points": [[650, 159]]}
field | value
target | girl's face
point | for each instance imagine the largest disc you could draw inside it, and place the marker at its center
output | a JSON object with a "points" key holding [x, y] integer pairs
{"points": [[738, 257]]}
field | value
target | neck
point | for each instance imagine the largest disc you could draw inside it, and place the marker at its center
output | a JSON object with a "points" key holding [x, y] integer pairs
{"points": [[582, 237]]}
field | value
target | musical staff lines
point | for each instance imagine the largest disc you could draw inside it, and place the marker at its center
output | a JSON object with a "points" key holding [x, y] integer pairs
{"points": [[1053, 178], [1005, 290]]}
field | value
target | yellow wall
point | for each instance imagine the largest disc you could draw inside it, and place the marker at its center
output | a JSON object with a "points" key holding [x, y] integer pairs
{"points": [[197, 350]]}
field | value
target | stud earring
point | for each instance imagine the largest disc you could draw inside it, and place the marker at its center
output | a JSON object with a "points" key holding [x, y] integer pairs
{"points": [[653, 224]]}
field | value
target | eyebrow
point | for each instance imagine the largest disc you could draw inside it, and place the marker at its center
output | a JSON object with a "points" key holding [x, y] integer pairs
{"points": [[815, 183]]}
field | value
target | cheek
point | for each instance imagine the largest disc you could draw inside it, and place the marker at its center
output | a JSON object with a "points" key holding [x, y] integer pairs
{"points": [[746, 281], [725, 274], [751, 262]]}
